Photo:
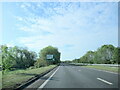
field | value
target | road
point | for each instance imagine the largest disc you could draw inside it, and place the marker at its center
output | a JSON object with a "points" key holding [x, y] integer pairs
{"points": [[69, 76]]}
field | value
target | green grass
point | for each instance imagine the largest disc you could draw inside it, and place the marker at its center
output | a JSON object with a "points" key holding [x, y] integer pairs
{"points": [[0, 60], [0, 80], [106, 68], [12, 79]]}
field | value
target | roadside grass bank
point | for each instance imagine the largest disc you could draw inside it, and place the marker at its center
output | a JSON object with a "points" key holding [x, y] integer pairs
{"points": [[106, 68], [0, 80], [12, 79]]}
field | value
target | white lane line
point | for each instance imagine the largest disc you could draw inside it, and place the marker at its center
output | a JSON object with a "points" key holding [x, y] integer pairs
{"points": [[79, 70], [104, 81], [47, 74], [48, 79]]}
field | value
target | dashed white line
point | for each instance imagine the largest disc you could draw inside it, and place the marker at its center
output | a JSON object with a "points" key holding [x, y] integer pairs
{"points": [[48, 79], [104, 81], [79, 70]]}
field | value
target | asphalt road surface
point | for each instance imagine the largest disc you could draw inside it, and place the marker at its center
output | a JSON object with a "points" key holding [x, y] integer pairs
{"points": [[69, 76]]}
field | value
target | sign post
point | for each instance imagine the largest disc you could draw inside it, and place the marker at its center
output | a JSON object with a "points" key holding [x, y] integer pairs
{"points": [[50, 58]]}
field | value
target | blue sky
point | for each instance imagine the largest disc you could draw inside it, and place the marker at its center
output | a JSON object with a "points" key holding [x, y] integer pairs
{"points": [[73, 27]]}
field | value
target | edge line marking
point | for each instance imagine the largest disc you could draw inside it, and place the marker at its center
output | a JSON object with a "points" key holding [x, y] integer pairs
{"points": [[49, 78]]}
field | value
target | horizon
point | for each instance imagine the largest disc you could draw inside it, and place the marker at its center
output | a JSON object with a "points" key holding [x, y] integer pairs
{"points": [[60, 24]]}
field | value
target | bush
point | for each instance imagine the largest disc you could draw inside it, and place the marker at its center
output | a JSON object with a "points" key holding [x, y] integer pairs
{"points": [[32, 67], [40, 63]]}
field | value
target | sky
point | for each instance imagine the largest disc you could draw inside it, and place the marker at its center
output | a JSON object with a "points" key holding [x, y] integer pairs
{"points": [[73, 27]]}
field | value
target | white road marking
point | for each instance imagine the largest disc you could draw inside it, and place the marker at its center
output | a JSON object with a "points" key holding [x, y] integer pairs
{"points": [[79, 70], [48, 79], [47, 74], [104, 81]]}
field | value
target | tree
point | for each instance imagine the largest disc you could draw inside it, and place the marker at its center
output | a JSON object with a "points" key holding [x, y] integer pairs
{"points": [[16, 57], [0, 56], [116, 55], [7, 58], [40, 63], [106, 53], [24, 58], [50, 50], [76, 60]]}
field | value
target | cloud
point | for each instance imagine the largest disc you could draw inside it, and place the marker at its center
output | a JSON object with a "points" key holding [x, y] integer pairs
{"points": [[77, 27], [11, 44]]}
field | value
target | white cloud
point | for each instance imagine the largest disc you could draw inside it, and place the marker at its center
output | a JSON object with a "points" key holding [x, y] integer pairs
{"points": [[82, 29], [10, 44]]}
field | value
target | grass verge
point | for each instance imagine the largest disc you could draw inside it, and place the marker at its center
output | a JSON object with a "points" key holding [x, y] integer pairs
{"points": [[0, 80], [106, 68], [12, 79]]}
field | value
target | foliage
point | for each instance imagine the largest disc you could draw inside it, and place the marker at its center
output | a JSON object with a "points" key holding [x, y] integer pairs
{"points": [[116, 55], [7, 59], [40, 63], [0, 58], [16, 57], [106, 54], [50, 50]]}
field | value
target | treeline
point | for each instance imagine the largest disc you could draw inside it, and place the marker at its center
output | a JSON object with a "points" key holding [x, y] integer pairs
{"points": [[21, 58], [106, 54], [16, 57]]}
